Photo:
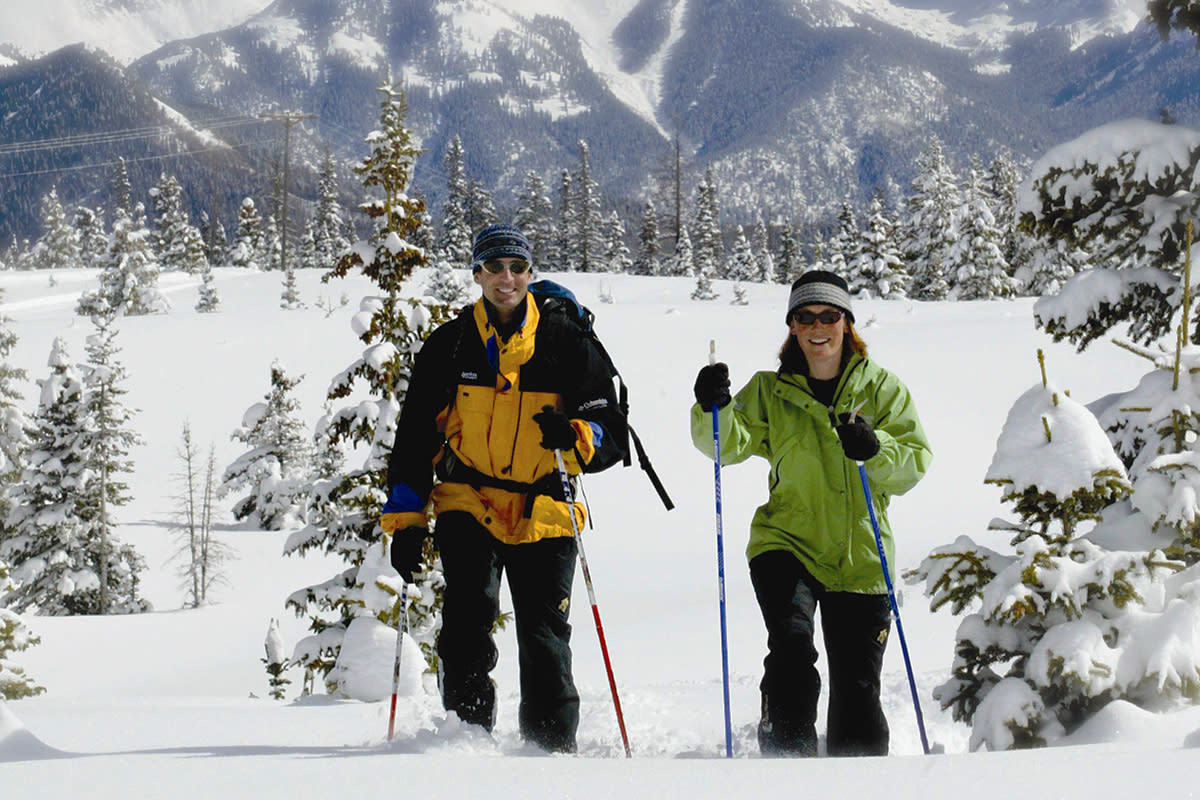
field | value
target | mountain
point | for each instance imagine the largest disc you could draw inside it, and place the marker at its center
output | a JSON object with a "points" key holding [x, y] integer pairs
{"points": [[794, 105]]}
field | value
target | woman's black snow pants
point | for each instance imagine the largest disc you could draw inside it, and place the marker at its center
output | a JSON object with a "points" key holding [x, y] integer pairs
{"points": [[855, 629]]}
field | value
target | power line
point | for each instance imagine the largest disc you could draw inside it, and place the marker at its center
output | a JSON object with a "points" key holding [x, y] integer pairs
{"points": [[106, 137], [163, 157]]}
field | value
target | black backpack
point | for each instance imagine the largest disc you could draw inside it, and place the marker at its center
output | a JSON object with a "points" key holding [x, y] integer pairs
{"points": [[557, 299]]}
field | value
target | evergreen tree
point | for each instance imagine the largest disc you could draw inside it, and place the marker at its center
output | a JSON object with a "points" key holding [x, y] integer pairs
{"points": [[14, 638], [276, 661], [708, 245], [683, 263], [588, 232], [878, 271], [481, 210], [647, 262], [742, 264], [271, 257], [976, 258], [129, 280], [289, 300], [1068, 623], [344, 510], [59, 246], [1049, 264], [91, 237], [446, 286], [844, 245], [791, 261], [328, 226], [53, 547], [110, 439], [704, 273], [248, 242], [616, 254], [1124, 193], [1003, 181], [760, 244], [178, 245], [928, 228], [14, 427], [209, 301], [122, 191], [216, 249], [535, 218], [455, 239], [274, 471], [566, 250]]}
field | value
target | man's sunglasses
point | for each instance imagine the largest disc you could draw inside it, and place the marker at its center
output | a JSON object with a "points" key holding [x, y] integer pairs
{"points": [[516, 267], [827, 317]]}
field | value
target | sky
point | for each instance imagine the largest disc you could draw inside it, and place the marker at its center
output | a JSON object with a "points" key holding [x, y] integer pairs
{"points": [[174, 703]]}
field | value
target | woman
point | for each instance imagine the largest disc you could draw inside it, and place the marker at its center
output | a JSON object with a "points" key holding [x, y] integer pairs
{"points": [[811, 544]]}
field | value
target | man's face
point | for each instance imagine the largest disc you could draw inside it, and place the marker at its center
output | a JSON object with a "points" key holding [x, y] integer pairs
{"points": [[504, 289]]}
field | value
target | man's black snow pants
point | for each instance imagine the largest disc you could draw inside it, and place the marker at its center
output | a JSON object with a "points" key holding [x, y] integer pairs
{"points": [[540, 575], [855, 629]]}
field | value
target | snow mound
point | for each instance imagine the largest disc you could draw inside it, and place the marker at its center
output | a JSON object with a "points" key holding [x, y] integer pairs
{"points": [[17, 743]]}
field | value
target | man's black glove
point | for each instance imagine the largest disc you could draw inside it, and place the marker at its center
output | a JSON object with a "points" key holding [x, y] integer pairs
{"points": [[712, 386], [557, 431], [407, 551], [858, 438]]}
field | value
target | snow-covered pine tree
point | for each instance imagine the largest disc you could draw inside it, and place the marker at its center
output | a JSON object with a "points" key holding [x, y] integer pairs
{"points": [[481, 210], [248, 244], [1003, 181], [59, 246], [1063, 626], [1122, 192], [14, 638], [178, 244], [276, 662], [273, 473], [588, 233], [927, 227], [567, 252], [791, 261], [110, 438], [91, 236], [535, 218], [129, 280], [344, 510], [1048, 264], [704, 274], [616, 254], [14, 426], [682, 262], [647, 260], [843, 247], [328, 225], [742, 264], [976, 257], [271, 257], [708, 246], [878, 270], [447, 286], [50, 545], [216, 248], [455, 238], [122, 190], [760, 245], [289, 299], [209, 300]]}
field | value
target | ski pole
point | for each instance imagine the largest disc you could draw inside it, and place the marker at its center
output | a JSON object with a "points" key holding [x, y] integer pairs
{"points": [[587, 579], [401, 629], [716, 429], [887, 577]]}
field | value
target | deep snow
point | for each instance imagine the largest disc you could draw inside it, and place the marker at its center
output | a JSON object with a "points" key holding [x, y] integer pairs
{"points": [[174, 703]]}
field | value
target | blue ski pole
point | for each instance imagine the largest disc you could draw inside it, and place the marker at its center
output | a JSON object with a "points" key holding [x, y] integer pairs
{"points": [[887, 577], [716, 429]]}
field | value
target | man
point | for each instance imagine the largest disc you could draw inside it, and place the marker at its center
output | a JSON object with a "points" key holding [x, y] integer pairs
{"points": [[493, 394]]}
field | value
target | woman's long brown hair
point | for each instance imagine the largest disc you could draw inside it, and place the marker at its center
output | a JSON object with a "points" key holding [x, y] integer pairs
{"points": [[791, 357]]}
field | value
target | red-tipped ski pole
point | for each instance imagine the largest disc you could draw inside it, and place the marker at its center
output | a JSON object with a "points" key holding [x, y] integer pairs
{"points": [[587, 579], [401, 628]]}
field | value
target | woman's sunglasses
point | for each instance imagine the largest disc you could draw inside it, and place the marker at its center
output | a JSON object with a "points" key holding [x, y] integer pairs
{"points": [[827, 317], [516, 267]]}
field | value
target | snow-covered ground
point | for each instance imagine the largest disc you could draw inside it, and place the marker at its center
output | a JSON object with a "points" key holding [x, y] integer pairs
{"points": [[174, 703]]}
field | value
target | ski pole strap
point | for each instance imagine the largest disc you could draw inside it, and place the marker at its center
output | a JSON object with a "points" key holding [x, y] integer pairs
{"points": [[648, 468]]}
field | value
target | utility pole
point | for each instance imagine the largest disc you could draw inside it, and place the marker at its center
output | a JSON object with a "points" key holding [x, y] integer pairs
{"points": [[288, 119]]}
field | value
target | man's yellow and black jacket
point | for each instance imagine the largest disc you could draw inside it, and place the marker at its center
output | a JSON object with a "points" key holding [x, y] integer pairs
{"points": [[469, 413]]}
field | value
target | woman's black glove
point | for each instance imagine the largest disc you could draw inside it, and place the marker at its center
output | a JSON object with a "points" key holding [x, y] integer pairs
{"points": [[712, 386], [858, 438], [407, 551], [557, 431]]}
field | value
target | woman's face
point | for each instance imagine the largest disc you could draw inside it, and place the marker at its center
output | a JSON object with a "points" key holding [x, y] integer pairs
{"points": [[820, 331]]}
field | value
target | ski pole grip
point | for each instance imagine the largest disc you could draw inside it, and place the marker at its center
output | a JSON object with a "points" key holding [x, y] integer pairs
{"points": [[712, 352]]}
